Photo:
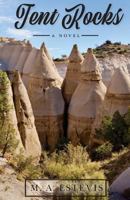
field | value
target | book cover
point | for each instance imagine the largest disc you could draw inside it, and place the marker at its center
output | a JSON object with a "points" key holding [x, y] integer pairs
{"points": [[64, 100]]}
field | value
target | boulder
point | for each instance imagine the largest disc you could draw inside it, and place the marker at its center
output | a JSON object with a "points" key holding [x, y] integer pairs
{"points": [[121, 183]]}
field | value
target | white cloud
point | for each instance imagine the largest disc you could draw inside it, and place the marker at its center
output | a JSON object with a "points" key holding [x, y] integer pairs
{"points": [[21, 33], [4, 19]]}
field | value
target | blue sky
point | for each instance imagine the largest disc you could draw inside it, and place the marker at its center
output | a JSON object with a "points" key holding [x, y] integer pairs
{"points": [[59, 46]]}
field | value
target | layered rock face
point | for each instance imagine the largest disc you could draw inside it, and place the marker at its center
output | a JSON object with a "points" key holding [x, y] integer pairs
{"points": [[14, 54], [109, 64], [47, 101], [11, 114], [118, 93], [25, 118], [73, 74], [85, 102]]}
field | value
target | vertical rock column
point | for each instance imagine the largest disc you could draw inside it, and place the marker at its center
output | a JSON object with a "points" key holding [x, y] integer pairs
{"points": [[47, 101], [73, 74], [85, 102], [25, 118]]}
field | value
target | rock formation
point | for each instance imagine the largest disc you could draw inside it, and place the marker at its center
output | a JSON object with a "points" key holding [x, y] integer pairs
{"points": [[121, 183], [43, 46], [11, 114], [14, 54], [117, 98], [118, 93], [35, 64], [85, 102], [23, 57], [47, 101], [25, 118], [73, 74]]}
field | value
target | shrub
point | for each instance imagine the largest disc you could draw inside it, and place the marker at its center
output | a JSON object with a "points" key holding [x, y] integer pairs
{"points": [[117, 43], [8, 142], [25, 167], [115, 130], [108, 42], [71, 163], [102, 152]]}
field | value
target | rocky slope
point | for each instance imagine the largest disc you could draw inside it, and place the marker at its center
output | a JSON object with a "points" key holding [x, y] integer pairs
{"points": [[110, 57]]}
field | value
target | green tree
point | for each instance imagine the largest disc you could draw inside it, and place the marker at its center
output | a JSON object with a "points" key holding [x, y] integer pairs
{"points": [[8, 141], [127, 121], [115, 130]]}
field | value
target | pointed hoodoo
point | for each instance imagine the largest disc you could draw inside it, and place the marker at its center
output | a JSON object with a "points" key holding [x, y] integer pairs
{"points": [[73, 74], [43, 46], [85, 102], [75, 55], [118, 93], [47, 101], [25, 118], [38, 62], [90, 68]]}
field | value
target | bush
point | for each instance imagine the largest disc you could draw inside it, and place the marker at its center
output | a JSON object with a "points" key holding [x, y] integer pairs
{"points": [[115, 130], [71, 163], [102, 152], [25, 167], [108, 42], [117, 43], [8, 142]]}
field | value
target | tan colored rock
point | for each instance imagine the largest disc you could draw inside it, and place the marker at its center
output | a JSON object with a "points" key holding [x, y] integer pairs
{"points": [[23, 57], [15, 55], [25, 118], [43, 46], [29, 65], [118, 93], [86, 101], [47, 101], [11, 115], [38, 62], [7, 52], [73, 74]]}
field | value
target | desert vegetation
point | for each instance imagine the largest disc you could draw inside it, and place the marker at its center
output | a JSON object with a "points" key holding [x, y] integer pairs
{"points": [[8, 141]]}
